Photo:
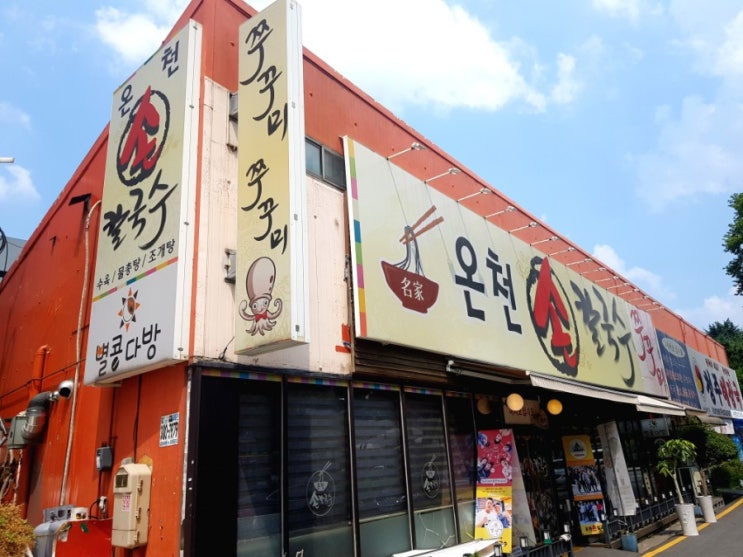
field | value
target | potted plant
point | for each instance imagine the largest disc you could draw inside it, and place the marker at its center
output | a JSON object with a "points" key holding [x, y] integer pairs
{"points": [[16, 533], [712, 449], [673, 454]]}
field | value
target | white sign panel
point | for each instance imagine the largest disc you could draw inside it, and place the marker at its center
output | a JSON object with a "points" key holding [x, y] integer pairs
{"points": [[272, 287], [142, 284], [169, 429], [717, 386]]}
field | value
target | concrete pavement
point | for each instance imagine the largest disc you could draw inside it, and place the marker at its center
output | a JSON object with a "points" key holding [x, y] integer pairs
{"points": [[723, 538]]}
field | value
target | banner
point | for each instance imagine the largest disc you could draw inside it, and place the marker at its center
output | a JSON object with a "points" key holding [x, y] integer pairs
{"points": [[494, 498], [583, 477], [618, 483]]}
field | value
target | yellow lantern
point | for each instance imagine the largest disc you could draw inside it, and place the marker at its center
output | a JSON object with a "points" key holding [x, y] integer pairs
{"points": [[515, 402], [554, 406]]}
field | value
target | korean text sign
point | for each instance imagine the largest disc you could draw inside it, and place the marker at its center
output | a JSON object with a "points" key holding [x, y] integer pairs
{"points": [[141, 289]]}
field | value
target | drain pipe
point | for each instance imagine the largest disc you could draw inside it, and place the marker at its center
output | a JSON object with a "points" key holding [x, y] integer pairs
{"points": [[78, 356], [37, 370]]}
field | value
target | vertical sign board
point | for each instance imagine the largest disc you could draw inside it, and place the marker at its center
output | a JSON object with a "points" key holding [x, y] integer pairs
{"points": [[679, 374], [648, 353], [142, 284], [272, 289]]}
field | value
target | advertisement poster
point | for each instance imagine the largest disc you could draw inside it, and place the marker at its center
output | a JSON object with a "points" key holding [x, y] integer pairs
{"points": [[583, 477], [494, 496]]}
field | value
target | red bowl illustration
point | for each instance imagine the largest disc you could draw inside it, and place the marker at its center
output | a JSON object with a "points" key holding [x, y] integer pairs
{"points": [[415, 291]]}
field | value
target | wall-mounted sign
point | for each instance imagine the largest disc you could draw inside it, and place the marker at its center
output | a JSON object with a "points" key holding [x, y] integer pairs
{"points": [[272, 288], [679, 374], [169, 429], [142, 284], [717, 386], [430, 274]]}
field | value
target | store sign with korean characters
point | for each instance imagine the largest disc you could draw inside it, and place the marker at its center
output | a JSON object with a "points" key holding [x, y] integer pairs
{"points": [[142, 284], [430, 274], [272, 288], [717, 387], [677, 365]]}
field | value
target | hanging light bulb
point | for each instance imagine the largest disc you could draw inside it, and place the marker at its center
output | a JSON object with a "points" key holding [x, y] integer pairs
{"points": [[515, 402], [554, 406]]}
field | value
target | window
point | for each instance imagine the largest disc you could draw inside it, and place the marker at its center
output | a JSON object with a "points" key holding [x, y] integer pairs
{"points": [[259, 471], [325, 164], [318, 471], [461, 428], [428, 471], [380, 472]]}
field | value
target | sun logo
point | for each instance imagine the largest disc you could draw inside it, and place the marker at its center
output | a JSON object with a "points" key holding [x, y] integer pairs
{"points": [[129, 306]]}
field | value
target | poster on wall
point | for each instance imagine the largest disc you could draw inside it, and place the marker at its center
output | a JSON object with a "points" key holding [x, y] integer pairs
{"points": [[584, 482], [141, 295], [494, 496]]}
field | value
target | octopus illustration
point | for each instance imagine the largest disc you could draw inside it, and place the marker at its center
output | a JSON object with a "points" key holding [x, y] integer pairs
{"points": [[259, 284]]}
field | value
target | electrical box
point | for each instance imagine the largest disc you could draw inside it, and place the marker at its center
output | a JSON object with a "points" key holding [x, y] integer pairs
{"points": [[104, 458], [131, 508], [15, 433]]}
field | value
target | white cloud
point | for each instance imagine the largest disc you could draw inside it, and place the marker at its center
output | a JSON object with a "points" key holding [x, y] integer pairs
{"points": [[429, 52], [628, 9], [729, 56], [447, 60], [12, 115], [697, 154], [19, 187], [715, 309], [631, 10], [135, 36], [568, 86], [643, 278]]}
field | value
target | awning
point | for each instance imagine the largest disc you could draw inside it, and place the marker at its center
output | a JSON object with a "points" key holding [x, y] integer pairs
{"points": [[712, 420], [643, 403]]}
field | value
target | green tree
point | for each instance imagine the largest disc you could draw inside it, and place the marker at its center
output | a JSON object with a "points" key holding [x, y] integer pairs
{"points": [[733, 243], [731, 337], [673, 454]]}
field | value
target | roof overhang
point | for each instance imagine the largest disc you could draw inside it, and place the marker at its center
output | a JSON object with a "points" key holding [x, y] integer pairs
{"points": [[642, 403]]}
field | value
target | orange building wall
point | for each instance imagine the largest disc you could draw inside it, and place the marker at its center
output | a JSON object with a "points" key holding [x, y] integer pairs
{"points": [[40, 303]]}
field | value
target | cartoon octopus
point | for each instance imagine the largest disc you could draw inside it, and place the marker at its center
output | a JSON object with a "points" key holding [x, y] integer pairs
{"points": [[259, 284]]}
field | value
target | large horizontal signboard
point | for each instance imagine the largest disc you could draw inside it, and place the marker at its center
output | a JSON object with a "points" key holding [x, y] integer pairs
{"points": [[141, 292], [430, 274]]}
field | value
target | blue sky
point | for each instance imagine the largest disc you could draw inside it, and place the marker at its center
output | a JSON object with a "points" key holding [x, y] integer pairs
{"points": [[617, 122]]}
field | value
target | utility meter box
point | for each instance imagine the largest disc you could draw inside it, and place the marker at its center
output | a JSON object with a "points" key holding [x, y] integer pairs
{"points": [[131, 508]]}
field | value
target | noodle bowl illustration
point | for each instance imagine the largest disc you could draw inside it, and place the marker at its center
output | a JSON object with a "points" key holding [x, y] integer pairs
{"points": [[405, 278]]}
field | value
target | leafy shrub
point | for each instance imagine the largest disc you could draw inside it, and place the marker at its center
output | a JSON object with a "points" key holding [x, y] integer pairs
{"points": [[15, 532], [728, 474]]}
